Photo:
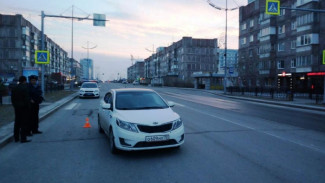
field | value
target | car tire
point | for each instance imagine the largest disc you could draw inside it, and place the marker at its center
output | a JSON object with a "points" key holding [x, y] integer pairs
{"points": [[100, 129], [112, 146]]}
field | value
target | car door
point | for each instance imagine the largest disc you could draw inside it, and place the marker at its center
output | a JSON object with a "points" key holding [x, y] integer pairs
{"points": [[105, 114]]}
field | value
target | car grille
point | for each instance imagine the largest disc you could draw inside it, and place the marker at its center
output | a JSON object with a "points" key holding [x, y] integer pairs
{"points": [[153, 144], [155, 129]]}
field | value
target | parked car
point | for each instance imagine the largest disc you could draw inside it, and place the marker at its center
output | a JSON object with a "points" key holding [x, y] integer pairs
{"points": [[89, 89], [124, 82], [139, 119], [136, 83]]}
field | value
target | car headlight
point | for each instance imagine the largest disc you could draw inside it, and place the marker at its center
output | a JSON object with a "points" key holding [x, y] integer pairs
{"points": [[126, 125], [177, 123], [96, 91], [81, 91]]}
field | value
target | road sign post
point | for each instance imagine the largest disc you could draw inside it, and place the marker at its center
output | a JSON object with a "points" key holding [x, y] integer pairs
{"points": [[272, 7]]}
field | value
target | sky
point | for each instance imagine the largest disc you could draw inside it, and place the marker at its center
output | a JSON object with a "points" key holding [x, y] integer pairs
{"points": [[133, 27]]}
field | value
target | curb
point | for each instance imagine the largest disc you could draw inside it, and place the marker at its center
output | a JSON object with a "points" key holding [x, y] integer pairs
{"points": [[271, 102], [8, 138]]}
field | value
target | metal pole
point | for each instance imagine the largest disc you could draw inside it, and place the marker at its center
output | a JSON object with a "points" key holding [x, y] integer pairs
{"points": [[42, 48], [71, 81], [225, 76], [324, 92]]}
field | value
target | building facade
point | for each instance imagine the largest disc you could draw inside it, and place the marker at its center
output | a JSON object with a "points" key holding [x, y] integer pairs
{"points": [[19, 40], [136, 71], [174, 65], [87, 68], [282, 51]]}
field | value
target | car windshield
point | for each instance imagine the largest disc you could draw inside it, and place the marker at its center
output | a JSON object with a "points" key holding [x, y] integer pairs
{"points": [[138, 100], [89, 85]]}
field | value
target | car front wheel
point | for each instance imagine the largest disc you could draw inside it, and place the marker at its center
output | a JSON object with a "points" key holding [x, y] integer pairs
{"points": [[113, 148], [100, 129]]}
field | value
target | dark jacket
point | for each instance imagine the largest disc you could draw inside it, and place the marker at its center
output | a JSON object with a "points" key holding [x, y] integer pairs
{"points": [[20, 96], [35, 93]]}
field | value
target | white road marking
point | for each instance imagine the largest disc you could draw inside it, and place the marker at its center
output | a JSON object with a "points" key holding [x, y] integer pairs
{"points": [[178, 104], [70, 106], [259, 131], [312, 147]]}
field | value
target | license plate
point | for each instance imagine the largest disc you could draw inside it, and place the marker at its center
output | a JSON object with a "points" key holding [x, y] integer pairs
{"points": [[157, 138]]}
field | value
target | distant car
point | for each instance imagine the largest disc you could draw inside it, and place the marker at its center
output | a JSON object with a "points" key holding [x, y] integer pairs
{"points": [[124, 82], [139, 119], [136, 83], [89, 89]]}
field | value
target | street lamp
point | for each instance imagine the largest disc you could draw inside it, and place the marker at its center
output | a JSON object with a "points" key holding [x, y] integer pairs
{"points": [[88, 48], [226, 9]]}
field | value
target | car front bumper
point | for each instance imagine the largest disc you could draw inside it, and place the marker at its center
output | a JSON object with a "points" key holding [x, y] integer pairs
{"points": [[131, 141]]}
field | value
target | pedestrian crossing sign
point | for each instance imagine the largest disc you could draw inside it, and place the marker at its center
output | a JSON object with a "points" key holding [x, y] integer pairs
{"points": [[272, 7], [42, 57]]}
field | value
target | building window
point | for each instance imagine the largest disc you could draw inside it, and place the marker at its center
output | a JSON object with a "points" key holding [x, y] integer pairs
{"points": [[251, 38], [293, 44], [281, 29], [293, 63], [243, 26], [305, 19], [304, 40], [281, 64], [251, 23], [303, 61], [243, 40], [294, 25], [250, 53], [281, 46], [282, 12]]}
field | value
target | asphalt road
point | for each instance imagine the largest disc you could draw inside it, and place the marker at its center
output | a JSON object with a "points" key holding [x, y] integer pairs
{"points": [[226, 140]]}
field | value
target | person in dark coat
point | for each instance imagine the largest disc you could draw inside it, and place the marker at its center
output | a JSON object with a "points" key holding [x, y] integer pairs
{"points": [[20, 100], [35, 93]]}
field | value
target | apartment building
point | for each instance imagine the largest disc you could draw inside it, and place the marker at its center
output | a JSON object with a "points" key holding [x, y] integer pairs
{"points": [[136, 71], [19, 40], [174, 65], [282, 51], [87, 68]]}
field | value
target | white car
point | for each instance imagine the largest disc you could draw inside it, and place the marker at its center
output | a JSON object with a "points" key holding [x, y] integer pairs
{"points": [[139, 119], [89, 89]]}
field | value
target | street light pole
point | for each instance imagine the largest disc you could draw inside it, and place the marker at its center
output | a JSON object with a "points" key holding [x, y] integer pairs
{"points": [[42, 48], [88, 48], [225, 55]]}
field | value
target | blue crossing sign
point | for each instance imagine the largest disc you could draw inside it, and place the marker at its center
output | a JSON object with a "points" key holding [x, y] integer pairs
{"points": [[272, 7], [42, 57]]}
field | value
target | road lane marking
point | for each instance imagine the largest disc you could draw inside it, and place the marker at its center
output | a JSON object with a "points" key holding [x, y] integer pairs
{"points": [[178, 104], [312, 147], [70, 106]]}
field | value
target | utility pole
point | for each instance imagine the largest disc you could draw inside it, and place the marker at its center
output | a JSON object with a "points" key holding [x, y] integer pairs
{"points": [[225, 55], [100, 21]]}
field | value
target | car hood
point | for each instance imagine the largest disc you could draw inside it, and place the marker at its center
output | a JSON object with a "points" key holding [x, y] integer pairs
{"points": [[147, 117]]}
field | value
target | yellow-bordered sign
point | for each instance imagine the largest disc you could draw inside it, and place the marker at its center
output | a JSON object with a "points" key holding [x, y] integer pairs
{"points": [[42, 57], [272, 7]]}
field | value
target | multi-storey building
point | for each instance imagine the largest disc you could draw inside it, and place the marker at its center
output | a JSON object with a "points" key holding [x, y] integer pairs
{"points": [[19, 40], [87, 68], [282, 51], [136, 71], [174, 65], [232, 66]]}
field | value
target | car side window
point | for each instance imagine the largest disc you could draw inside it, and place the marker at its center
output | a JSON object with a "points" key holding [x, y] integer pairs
{"points": [[108, 98]]}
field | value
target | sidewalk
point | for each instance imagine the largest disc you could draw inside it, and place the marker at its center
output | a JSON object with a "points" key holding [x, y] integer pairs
{"points": [[6, 132]]}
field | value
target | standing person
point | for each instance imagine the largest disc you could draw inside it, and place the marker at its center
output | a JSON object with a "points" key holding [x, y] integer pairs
{"points": [[35, 93], [20, 100]]}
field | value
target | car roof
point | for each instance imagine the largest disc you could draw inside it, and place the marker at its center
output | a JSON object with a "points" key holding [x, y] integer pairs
{"points": [[89, 82], [132, 90]]}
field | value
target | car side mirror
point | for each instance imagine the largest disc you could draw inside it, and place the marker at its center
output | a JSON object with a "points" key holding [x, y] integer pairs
{"points": [[171, 104], [107, 106]]}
